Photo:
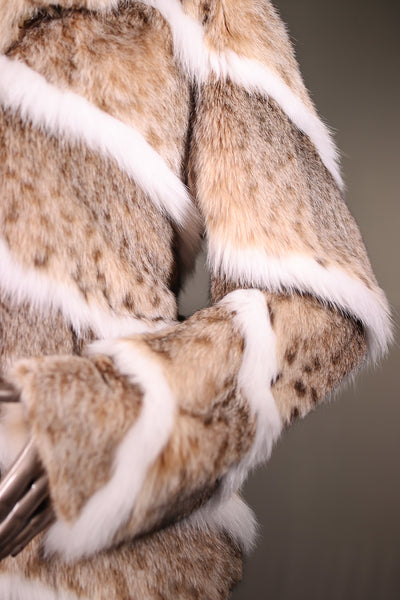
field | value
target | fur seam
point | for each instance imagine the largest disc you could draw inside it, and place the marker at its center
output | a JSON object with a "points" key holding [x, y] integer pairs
{"points": [[259, 368], [14, 587], [299, 273], [200, 62], [65, 114], [110, 507], [232, 516], [44, 294]]}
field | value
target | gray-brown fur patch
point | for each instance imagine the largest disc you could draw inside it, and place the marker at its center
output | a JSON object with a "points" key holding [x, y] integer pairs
{"points": [[261, 184], [177, 562]]}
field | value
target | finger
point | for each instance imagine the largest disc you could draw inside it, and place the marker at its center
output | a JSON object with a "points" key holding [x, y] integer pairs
{"points": [[8, 393], [35, 526], [26, 469], [23, 511]]}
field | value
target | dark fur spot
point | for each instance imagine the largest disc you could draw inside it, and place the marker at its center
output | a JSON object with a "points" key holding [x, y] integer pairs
{"points": [[271, 314], [97, 255], [208, 420], [317, 364], [314, 395], [100, 277], [307, 369], [300, 388], [41, 260], [277, 378], [203, 340], [11, 217], [290, 355], [207, 10], [106, 295], [156, 300], [321, 261], [294, 414], [128, 302]]}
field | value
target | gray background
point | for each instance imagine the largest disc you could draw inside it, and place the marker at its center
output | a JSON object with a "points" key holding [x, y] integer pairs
{"points": [[328, 501]]}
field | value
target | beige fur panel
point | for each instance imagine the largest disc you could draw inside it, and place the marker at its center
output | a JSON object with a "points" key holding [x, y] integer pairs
{"points": [[121, 62], [177, 563], [214, 427], [317, 348], [260, 184], [25, 332], [75, 218], [79, 411], [15, 13], [252, 29], [212, 430]]}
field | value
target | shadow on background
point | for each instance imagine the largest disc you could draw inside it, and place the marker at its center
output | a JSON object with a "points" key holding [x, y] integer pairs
{"points": [[329, 499]]}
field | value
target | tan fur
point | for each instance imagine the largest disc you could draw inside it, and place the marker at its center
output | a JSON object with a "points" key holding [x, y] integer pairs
{"points": [[178, 563], [264, 186], [116, 247], [24, 332], [15, 13], [317, 347], [214, 428], [83, 399], [77, 440], [50, 46], [69, 214], [123, 63], [252, 29]]}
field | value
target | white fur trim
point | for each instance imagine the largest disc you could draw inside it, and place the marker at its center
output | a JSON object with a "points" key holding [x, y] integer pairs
{"points": [[200, 62], [232, 516], [188, 37], [303, 274], [43, 294], [111, 506], [61, 112], [258, 370], [14, 587], [256, 77]]}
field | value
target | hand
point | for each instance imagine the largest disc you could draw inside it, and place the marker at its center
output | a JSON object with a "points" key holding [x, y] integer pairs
{"points": [[25, 508]]}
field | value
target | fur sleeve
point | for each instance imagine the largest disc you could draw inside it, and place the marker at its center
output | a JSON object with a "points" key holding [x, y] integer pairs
{"points": [[265, 173]]}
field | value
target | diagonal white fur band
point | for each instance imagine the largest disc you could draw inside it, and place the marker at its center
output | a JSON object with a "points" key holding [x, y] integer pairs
{"points": [[111, 505], [259, 368], [200, 62], [297, 272], [63, 113]]}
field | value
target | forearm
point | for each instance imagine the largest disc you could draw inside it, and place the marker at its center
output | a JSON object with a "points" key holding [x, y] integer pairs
{"points": [[147, 438], [317, 346]]}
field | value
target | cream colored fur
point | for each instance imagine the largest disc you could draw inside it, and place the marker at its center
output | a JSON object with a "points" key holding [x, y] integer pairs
{"points": [[107, 111]]}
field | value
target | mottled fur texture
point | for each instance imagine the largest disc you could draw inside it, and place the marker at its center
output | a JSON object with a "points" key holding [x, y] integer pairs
{"points": [[179, 562], [74, 218], [279, 194]]}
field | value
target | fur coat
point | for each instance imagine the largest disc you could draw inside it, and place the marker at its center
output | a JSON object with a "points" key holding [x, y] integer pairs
{"points": [[128, 131]]}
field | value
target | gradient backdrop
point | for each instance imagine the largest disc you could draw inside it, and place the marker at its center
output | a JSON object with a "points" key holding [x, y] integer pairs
{"points": [[329, 499]]}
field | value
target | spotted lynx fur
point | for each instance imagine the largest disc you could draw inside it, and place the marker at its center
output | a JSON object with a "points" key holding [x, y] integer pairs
{"points": [[146, 425]]}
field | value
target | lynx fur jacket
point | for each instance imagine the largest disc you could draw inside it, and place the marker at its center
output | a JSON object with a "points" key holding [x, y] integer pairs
{"points": [[128, 131]]}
